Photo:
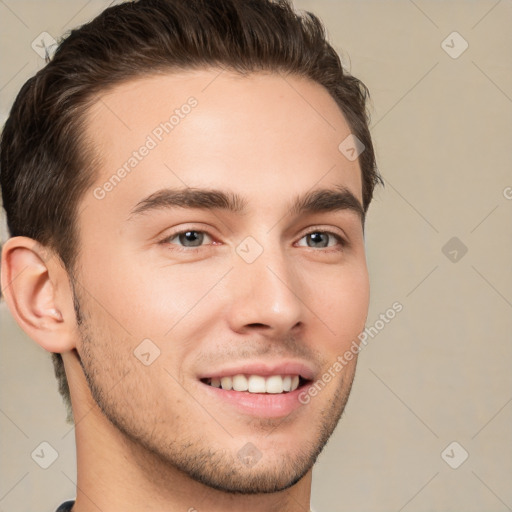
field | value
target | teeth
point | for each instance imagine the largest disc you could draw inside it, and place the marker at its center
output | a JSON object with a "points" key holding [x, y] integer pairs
{"points": [[240, 383], [257, 384], [226, 383], [274, 384]]}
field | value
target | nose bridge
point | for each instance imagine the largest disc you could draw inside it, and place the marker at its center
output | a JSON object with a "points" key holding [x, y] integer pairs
{"points": [[267, 288]]}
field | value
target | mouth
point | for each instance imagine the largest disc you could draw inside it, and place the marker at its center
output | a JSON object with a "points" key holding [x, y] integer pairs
{"points": [[258, 384], [260, 389], [274, 396]]}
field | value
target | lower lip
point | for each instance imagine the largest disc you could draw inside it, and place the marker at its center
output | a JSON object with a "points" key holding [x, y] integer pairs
{"points": [[268, 405]]}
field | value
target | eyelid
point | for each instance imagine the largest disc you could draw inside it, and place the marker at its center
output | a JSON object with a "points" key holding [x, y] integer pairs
{"points": [[181, 231], [312, 229], [329, 230]]}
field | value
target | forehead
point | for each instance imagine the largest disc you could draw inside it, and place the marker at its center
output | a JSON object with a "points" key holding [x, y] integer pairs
{"points": [[263, 135]]}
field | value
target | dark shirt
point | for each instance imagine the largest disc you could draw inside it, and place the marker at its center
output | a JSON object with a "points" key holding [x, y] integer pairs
{"points": [[66, 506]]}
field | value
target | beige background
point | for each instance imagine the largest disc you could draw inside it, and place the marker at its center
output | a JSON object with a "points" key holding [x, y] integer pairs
{"points": [[440, 370]]}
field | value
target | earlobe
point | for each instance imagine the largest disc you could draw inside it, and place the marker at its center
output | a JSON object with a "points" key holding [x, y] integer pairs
{"points": [[35, 292]]}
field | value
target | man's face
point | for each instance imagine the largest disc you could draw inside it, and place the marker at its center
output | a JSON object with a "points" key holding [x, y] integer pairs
{"points": [[268, 285]]}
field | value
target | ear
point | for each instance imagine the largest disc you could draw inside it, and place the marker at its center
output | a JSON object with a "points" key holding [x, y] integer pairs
{"points": [[37, 291]]}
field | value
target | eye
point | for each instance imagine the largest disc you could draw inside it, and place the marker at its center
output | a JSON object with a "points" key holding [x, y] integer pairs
{"points": [[320, 239], [189, 238]]}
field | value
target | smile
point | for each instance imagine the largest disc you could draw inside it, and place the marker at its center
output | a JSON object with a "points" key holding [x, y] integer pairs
{"points": [[274, 384]]}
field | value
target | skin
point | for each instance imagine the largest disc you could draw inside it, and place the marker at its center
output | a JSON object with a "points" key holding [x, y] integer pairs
{"points": [[147, 438]]}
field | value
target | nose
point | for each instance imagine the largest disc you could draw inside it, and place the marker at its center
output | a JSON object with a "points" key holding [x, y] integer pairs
{"points": [[265, 294]]}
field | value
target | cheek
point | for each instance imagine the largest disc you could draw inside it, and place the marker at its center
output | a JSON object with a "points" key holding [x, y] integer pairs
{"points": [[172, 297], [148, 298], [341, 301]]}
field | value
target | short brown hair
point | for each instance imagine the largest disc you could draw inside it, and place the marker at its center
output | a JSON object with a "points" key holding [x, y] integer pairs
{"points": [[46, 165]]}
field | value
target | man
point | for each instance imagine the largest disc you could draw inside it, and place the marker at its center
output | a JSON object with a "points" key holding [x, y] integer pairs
{"points": [[185, 185]]}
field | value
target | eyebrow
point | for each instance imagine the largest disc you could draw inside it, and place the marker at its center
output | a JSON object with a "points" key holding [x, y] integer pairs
{"points": [[315, 201]]}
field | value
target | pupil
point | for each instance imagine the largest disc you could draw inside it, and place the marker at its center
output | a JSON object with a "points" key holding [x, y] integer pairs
{"points": [[191, 236], [315, 235]]}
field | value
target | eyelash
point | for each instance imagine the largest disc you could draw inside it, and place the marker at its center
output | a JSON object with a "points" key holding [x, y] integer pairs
{"points": [[342, 242]]}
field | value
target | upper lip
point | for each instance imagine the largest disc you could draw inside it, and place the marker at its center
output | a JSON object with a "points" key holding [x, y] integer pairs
{"points": [[264, 369]]}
